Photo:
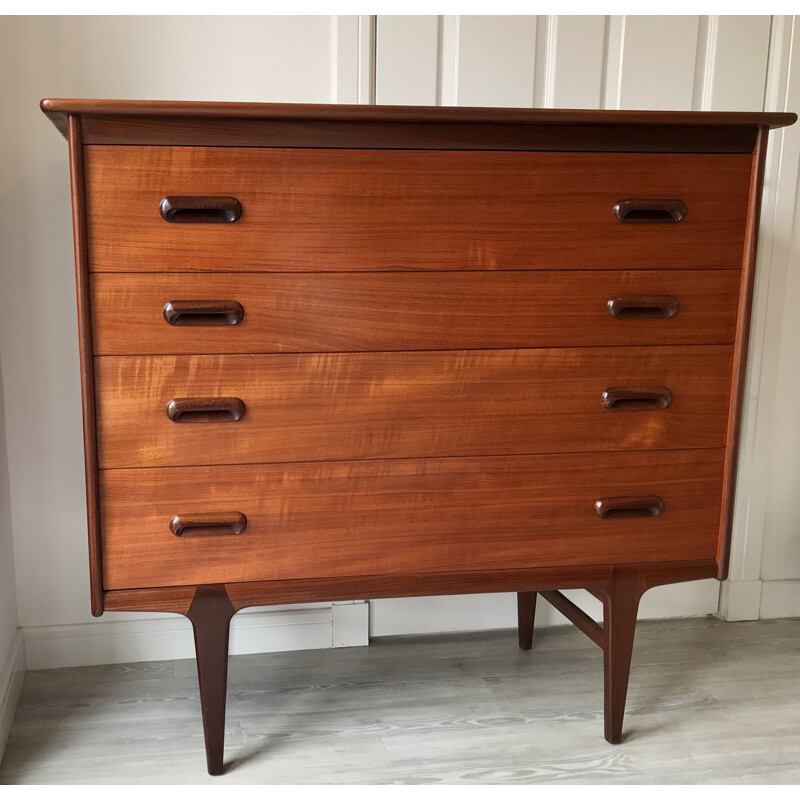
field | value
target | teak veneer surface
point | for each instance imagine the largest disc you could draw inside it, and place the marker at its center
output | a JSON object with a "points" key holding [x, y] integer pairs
{"points": [[369, 210], [334, 519], [303, 312], [311, 407]]}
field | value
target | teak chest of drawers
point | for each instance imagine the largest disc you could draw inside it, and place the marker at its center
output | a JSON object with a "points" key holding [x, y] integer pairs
{"points": [[335, 352]]}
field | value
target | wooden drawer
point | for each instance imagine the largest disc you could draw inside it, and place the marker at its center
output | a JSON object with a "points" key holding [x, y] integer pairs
{"points": [[419, 311], [407, 516], [368, 210], [407, 405]]}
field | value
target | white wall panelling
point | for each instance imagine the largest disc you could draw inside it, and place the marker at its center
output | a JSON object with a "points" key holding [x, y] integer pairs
{"points": [[407, 46], [766, 520]]}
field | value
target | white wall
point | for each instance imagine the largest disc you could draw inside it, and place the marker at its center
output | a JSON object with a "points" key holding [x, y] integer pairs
{"points": [[655, 62], [11, 651]]}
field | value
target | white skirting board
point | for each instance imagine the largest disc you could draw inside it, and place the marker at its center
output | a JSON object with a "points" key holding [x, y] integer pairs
{"points": [[410, 615], [11, 677], [120, 640], [780, 599]]}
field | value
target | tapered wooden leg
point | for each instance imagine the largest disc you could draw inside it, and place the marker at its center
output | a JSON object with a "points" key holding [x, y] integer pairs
{"points": [[526, 610], [620, 605], [210, 614]]}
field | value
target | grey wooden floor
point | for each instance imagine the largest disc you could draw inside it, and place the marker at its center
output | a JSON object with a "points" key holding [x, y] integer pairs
{"points": [[709, 702]]}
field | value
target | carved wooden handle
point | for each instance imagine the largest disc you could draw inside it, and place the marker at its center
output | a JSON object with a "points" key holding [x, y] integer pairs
{"points": [[220, 523], [620, 507], [650, 212], [200, 209], [643, 306], [636, 399], [205, 409], [203, 313]]}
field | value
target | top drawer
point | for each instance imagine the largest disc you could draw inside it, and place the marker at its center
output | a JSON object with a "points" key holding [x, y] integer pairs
{"points": [[359, 210]]}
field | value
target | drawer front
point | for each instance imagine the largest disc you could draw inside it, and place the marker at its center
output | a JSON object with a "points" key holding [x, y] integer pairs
{"points": [[368, 210], [403, 311], [406, 516], [406, 405]]}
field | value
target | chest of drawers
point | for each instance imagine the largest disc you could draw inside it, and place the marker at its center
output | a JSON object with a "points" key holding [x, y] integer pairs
{"points": [[336, 352]]}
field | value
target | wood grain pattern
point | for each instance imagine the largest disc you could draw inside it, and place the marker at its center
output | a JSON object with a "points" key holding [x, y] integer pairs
{"points": [[340, 519], [77, 191], [368, 210], [263, 593], [407, 405], [400, 311]]}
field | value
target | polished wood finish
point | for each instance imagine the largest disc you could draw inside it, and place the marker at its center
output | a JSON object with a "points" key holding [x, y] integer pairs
{"points": [[215, 524], [195, 313], [620, 596], [210, 614], [205, 409], [307, 521], [421, 135], [577, 616], [626, 507], [465, 350], [737, 396], [409, 405], [264, 593], [366, 210], [526, 612], [193, 111], [401, 311], [77, 191]]}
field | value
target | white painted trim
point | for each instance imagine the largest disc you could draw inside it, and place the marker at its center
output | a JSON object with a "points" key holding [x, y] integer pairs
{"points": [[739, 600], [615, 45], [544, 78], [11, 678], [705, 62], [121, 640], [367, 35], [353, 73], [350, 624], [449, 41], [755, 456], [780, 599]]}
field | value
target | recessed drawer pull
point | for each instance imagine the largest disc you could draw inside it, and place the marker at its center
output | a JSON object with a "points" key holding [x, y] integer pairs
{"points": [[648, 212], [226, 523], [622, 507], [643, 306], [205, 409], [200, 209], [636, 399], [203, 313]]}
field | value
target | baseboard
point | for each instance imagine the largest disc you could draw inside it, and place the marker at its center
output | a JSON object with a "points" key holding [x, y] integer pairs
{"points": [[476, 612], [740, 600], [120, 641], [11, 679], [780, 599]]}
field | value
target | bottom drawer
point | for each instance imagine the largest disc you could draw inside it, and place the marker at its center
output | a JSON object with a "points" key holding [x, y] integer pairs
{"points": [[400, 516]]}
